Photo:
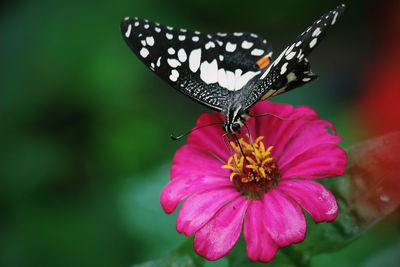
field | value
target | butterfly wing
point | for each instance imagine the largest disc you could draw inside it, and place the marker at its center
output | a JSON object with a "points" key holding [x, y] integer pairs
{"points": [[291, 69], [207, 68]]}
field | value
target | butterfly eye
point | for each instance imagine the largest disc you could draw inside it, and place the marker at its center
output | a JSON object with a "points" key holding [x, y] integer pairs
{"points": [[235, 127]]}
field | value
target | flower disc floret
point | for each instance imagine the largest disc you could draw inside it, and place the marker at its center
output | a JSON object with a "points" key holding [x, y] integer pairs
{"points": [[253, 167]]}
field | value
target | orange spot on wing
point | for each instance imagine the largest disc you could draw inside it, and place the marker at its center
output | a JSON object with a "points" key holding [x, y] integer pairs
{"points": [[263, 62]]}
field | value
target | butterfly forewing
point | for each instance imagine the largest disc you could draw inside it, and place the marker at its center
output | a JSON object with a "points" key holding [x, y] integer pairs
{"points": [[291, 69], [208, 68]]}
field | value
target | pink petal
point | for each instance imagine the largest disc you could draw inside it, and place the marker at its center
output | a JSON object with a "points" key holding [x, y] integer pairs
{"points": [[283, 218], [286, 130], [259, 244], [318, 201], [199, 208], [324, 160], [190, 159], [210, 138], [221, 233], [311, 134], [278, 131], [263, 125], [180, 188]]}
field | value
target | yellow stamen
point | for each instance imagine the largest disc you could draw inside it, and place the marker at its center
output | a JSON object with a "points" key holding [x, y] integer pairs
{"points": [[255, 166]]}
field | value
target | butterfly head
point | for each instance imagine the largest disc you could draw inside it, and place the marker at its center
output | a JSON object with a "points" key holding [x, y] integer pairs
{"points": [[232, 127], [235, 117]]}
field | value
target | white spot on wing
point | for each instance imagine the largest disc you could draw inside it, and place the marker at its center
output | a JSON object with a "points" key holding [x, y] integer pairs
{"points": [[173, 62], [171, 51], [194, 59], [316, 32], [144, 52], [265, 72], [313, 42], [300, 55], [195, 38], [157, 29], [136, 23], [210, 44], [306, 79], [298, 43], [182, 55], [128, 31], [242, 80], [247, 45], [230, 76], [209, 71], [284, 68], [174, 75], [276, 61], [257, 52], [146, 26], [169, 36], [158, 63], [232, 81], [230, 47], [291, 55], [334, 18], [150, 40], [181, 37], [238, 33], [289, 49], [221, 57], [222, 79]]}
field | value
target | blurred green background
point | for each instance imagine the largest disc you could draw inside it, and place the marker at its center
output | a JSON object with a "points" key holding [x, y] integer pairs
{"points": [[84, 139]]}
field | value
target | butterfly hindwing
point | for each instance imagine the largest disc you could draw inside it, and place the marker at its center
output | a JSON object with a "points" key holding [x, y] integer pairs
{"points": [[208, 68], [291, 69]]}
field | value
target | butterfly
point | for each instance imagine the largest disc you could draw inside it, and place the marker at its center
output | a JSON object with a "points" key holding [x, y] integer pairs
{"points": [[227, 72]]}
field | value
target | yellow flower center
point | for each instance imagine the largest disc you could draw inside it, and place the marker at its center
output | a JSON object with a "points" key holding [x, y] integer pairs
{"points": [[254, 170]]}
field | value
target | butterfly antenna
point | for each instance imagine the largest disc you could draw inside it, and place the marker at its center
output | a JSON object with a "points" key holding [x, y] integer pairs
{"points": [[227, 145], [217, 157], [240, 146], [249, 136], [273, 115], [175, 138], [229, 148]]}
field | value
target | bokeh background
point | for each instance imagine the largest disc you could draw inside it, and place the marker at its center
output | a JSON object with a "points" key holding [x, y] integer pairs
{"points": [[84, 139]]}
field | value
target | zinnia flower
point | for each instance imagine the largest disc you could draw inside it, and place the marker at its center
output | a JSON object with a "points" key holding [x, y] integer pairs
{"points": [[255, 184]]}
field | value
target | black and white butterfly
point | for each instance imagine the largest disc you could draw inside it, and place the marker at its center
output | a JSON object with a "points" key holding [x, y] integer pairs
{"points": [[228, 72]]}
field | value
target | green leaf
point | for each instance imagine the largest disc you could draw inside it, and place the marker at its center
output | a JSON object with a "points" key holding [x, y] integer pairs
{"points": [[183, 256]]}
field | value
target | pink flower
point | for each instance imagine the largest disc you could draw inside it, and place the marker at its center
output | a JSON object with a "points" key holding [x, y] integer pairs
{"points": [[222, 190]]}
